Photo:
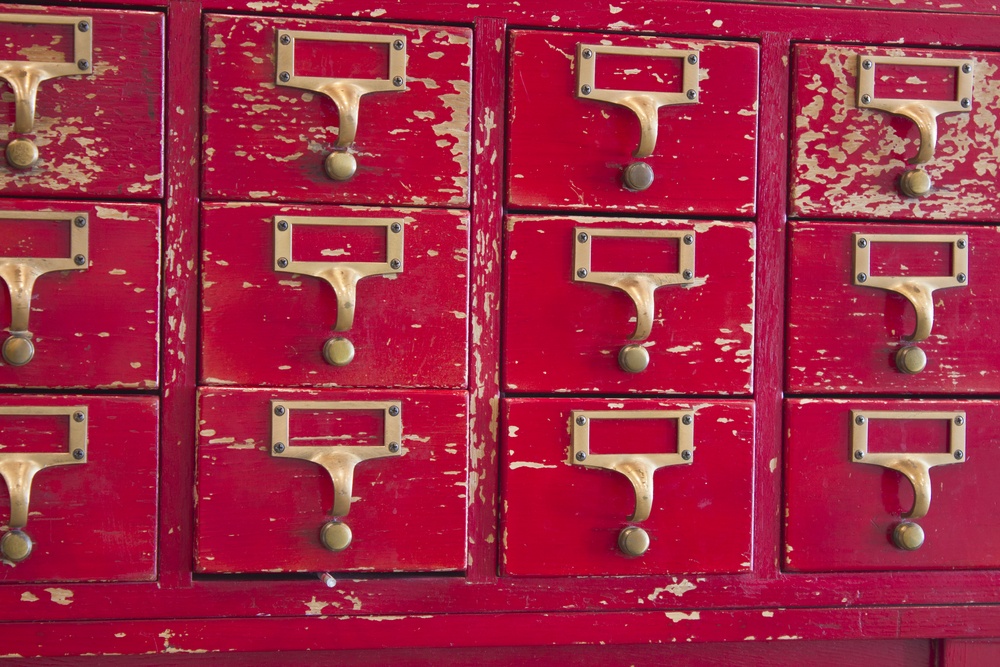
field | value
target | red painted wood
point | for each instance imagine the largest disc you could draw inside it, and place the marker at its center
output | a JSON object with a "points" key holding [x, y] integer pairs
{"points": [[964, 7], [95, 328], [565, 152], [961, 357], [846, 161], [92, 521], [409, 511], [260, 326], [98, 135], [564, 336], [840, 514], [970, 653], [269, 142], [563, 519]]}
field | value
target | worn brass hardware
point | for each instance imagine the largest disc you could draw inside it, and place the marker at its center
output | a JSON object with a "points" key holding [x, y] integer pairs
{"points": [[918, 290], [639, 286], [18, 470], [340, 165], [343, 277], [20, 274], [637, 468], [908, 535], [916, 182], [24, 77], [339, 462]]}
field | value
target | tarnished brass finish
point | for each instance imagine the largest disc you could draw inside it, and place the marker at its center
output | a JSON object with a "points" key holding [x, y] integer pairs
{"points": [[20, 274], [916, 183], [18, 470], [633, 358], [339, 462], [338, 351], [915, 466], [24, 77], [918, 290], [345, 93], [911, 359], [637, 177], [644, 104], [639, 286], [633, 541]]}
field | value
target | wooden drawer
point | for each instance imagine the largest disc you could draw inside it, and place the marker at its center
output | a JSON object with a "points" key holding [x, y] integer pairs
{"points": [[91, 509], [569, 149], [91, 318], [567, 329], [97, 126], [565, 507], [843, 515], [264, 324], [848, 155], [264, 139], [407, 506], [944, 273]]}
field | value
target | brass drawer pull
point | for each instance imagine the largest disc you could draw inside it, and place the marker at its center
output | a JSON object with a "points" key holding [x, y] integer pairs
{"points": [[638, 468], [24, 76], [908, 535], [18, 469], [20, 274], [340, 165], [916, 182]]}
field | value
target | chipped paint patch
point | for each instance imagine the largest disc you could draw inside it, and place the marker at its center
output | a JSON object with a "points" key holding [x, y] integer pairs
{"points": [[60, 595], [678, 616]]}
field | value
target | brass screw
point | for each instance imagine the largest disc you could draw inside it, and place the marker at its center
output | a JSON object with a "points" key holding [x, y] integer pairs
{"points": [[80, 221], [78, 416], [686, 455], [961, 277], [581, 456], [688, 239], [862, 243], [582, 273], [79, 260], [859, 420], [279, 410], [866, 99], [393, 447], [397, 81], [393, 410], [83, 26], [585, 89], [587, 53], [282, 226], [959, 454], [396, 227], [862, 277], [966, 103], [286, 40], [78, 454], [966, 68], [867, 64], [693, 59], [959, 421], [961, 244], [581, 420], [582, 237], [398, 45], [395, 263], [686, 420], [688, 274], [279, 447], [284, 77], [859, 455], [282, 262], [691, 94], [83, 64]]}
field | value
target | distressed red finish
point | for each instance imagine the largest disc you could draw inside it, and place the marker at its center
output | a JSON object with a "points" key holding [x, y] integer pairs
{"points": [[100, 134], [567, 152], [265, 141]]}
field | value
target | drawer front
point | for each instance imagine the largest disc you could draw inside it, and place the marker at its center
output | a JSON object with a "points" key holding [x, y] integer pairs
{"points": [[568, 496], [97, 124], [847, 491], [848, 155], [575, 288], [263, 324], [82, 300], [268, 140], [569, 149], [89, 514], [920, 317], [406, 504]]}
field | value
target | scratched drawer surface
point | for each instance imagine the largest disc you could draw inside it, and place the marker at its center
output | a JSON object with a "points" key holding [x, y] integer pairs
{"points": [[336, 111], [89, 514], [890, 485], [96, 126], [82, 300], [574, 468], [895, 133], [892, 308], [628, 123], [614, 305], [331, 481], [334, 296]]}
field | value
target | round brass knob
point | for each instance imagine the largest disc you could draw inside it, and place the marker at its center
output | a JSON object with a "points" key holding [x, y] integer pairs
{"points": [[338, 351], [340, 165], [915, 183], [633, 358], [335, 536], [911, 359], [15, 545], [633, 541], [637, 176], [17, 350], [22, 153], [908, 536]]}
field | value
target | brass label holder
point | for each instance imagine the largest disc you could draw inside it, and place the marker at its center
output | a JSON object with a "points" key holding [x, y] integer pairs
{"points": [[908, 535], [343, 277], [924, 113], [637, 468], [339, 462], [20, 274], [24, 77], [18, 470], [346, 94]]}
